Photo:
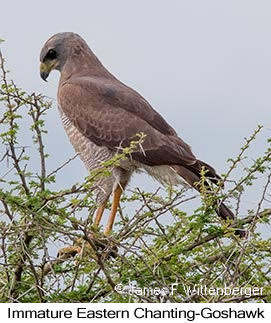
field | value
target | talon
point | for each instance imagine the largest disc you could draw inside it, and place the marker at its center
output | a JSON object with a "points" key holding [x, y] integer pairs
{"points": [[69, 252]]}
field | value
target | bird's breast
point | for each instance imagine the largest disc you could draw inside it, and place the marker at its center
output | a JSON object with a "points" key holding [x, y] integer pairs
{"points": [[91, 154]]}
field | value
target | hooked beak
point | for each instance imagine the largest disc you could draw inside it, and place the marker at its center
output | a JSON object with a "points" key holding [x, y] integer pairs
{"points": [[45, 69]]}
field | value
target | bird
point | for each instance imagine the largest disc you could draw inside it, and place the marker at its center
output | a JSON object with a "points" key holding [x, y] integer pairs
{"points": [[102, 116]]}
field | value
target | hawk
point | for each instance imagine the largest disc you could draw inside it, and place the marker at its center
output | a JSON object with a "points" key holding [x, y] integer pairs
{"points": [[101, 115]]}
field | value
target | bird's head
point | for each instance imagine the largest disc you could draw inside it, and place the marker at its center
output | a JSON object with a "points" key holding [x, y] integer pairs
{"points": [[56, 51]]}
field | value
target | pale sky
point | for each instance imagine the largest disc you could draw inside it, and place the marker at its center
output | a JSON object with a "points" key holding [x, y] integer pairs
{"points": [[204, 65]]}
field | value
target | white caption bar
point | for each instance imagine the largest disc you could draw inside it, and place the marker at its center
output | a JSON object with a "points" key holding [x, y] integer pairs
{"points": [[91, 312]]}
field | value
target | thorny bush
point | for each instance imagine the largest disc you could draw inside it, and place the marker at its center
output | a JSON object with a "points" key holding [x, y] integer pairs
{"points": [[151, 248]]}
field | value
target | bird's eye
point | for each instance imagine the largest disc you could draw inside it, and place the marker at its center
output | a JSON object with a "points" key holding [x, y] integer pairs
{"points": [[51, 54]]}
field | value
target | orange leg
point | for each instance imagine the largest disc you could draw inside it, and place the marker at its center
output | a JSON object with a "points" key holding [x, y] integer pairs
{"points": [[116, 198], [99, 213]]}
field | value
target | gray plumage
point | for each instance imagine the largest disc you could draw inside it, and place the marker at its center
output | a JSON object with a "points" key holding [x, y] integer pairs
{"points": [[100, 114]]}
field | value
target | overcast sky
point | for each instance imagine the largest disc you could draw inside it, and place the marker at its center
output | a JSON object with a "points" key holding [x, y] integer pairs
{"points": [[204, 65]]}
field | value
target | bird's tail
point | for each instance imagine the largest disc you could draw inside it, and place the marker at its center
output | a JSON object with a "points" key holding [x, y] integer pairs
{"points": [[192, 175]]}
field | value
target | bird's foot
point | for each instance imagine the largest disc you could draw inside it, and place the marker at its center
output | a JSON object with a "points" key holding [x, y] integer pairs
{"points": [[89, 246], [69, 252]]}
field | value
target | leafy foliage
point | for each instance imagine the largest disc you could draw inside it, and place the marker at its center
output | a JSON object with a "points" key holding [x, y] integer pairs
{"points": [[143, 254]]}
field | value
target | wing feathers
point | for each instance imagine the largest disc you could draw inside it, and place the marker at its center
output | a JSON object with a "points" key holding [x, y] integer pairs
{"points": [[112, 116]]}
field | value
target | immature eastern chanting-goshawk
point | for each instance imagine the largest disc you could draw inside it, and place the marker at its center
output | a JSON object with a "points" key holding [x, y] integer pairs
{"points": [[100, 114]]}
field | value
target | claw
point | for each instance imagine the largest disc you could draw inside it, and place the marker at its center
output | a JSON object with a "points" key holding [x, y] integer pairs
{"points": [[83, 248], [68, 252]]}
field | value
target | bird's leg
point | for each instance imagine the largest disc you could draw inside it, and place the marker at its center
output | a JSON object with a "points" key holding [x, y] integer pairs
{"points": [[99, 213], [71, 251], [66, 252], [116, 198]]}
